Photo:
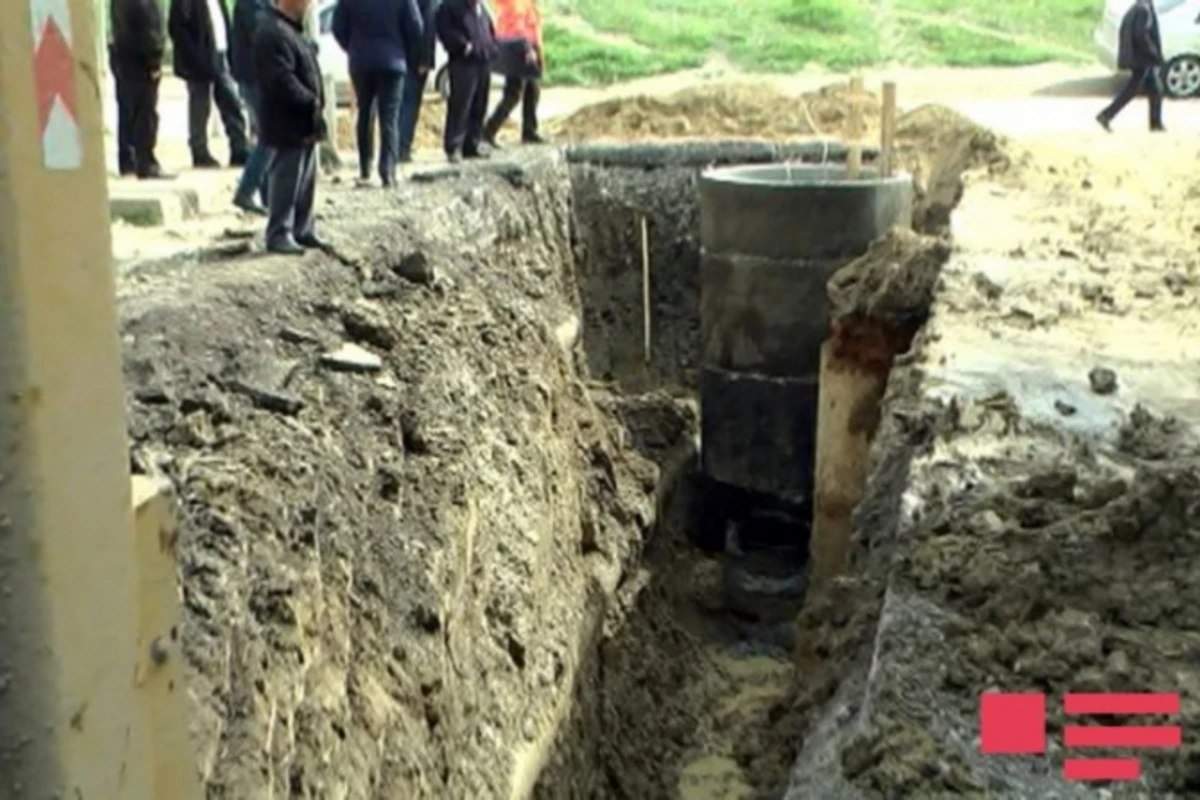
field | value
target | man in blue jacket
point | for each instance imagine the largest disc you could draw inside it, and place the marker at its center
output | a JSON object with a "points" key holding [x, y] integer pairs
{"points": [[380, 37], [1140, 53], [247, 16]]}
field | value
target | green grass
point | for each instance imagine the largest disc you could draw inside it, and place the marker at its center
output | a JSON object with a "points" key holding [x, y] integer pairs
{"points": [[643, 37]]}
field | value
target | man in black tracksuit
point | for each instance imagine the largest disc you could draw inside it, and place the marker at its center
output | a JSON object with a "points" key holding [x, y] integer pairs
{"points": [[465, 30], [291, 123], [136, 56], [1141, 54], [419, 66], [200, 33]]}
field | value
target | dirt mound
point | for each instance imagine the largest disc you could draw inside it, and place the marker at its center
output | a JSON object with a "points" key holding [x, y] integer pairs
{"points": [[893, 282], [717, 110], [937, 145]]}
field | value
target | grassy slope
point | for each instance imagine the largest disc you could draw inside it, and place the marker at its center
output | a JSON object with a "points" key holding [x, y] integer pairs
{"points": [[788, 35]]}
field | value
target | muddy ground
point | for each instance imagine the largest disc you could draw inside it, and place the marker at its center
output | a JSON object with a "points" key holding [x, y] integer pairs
{"points": [[403, 576]]}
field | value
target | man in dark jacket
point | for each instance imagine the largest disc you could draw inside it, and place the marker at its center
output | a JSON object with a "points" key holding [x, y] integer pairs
{"points": [[136, 57], [378, 36], [1141, 54], [419, 66], [292, 123], [200, 34], [248, 15], [465, 30]]}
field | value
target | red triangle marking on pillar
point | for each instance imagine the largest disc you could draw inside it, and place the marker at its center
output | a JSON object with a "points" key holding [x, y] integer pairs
{"points": [[53, 73]]}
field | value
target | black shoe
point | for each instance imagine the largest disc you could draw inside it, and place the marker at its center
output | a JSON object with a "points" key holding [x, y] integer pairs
{"points": [[404, 158], [453, 158], [476, 154], [127, 170], [249, 205], [311, 242], [205, 161], [287, 247], [239, 159], [532, 138], [154, 173], [1104, 121], [490, 141], [1159, 128]]}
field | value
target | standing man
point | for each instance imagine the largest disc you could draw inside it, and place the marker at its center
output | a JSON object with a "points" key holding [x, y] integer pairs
{"points": [[248, 15], [419, 66], [200, 34], [136, 56], [465, 30], [292, 124], [520, 21], [380, 37], [1141, 54]]}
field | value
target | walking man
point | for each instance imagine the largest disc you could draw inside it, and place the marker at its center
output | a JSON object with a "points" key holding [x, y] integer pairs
{"points": [[1141, 54], [200, 34], [419, 66], [292, 123], [136, 56], [465, 30], [248, 15], [520, 21], [380, 37]]}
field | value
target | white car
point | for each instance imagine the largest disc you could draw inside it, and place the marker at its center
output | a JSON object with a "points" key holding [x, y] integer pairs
{"points": [[334, 62], [1179, 25]]}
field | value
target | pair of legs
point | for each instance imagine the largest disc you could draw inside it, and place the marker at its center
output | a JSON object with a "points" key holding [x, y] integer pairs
{"points": [[527, 92], [201, 95], [410, 112], [254, 174], [137, 118], [378, 93], [467, 107], [291, 194], [1147, 78]]}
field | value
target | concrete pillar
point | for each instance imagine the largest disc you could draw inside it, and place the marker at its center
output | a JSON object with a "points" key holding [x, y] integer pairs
{"points": [[73, 720]]}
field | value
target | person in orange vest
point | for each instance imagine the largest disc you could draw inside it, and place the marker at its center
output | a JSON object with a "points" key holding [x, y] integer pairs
{"points": [[519, 20]]}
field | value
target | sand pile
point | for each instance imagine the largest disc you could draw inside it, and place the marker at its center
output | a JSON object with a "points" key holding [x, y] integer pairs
{"points": [[718, 110]]}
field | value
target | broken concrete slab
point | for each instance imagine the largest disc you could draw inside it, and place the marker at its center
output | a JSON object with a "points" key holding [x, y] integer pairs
{"points": [[151, 206]]}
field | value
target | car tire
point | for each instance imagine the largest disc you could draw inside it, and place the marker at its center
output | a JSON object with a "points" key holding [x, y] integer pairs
{"points": [[441, 82], [1181, 76]]}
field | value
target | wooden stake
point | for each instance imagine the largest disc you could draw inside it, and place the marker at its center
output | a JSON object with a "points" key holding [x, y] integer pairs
{"points": [[854, 125], [887, 134], [646, 289]]}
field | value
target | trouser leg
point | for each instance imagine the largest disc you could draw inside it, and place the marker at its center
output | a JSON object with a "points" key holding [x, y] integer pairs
{"points": [[463, 83], [287, 167], [126, 159], [365, 90], [410, 112], [199, 108], [143, 119], [229, 106], [1154, 92], [1137, 79], [529, 109], [479, 103], [391, 85], [306, 194], [500, 114], [254, 174]]}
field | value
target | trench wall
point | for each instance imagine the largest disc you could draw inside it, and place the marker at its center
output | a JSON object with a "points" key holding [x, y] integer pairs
{"points": [[613, 188], [390, 577]]}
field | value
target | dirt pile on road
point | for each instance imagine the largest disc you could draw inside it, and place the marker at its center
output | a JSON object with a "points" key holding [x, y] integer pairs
{"points": [[717, 110]]}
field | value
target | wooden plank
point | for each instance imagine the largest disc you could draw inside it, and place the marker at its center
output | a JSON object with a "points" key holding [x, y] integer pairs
{"points": [[888, 131], [646, 290], [854, 128]]}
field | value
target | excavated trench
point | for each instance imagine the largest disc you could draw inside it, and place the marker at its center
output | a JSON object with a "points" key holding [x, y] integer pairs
{"points": [[441, 505]]}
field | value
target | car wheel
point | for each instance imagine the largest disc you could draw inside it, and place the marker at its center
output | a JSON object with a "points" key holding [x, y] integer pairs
{"points": [[441, 82], [1182, 76]]}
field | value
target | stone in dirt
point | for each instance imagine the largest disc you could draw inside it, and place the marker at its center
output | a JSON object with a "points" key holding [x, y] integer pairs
{"points": [[352, 358], [365, 323], [1103, 380], [415, 267]]}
